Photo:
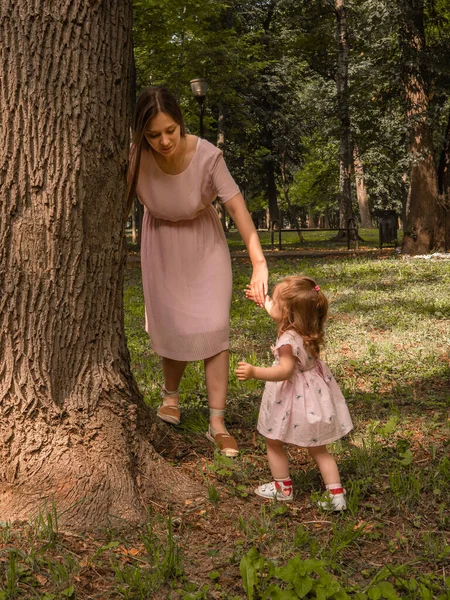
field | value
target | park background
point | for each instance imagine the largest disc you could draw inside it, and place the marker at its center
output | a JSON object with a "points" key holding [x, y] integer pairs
{"points": [[322, 108]]}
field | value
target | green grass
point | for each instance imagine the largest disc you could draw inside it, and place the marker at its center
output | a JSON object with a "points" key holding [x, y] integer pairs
{"points": [[388, 340], [388, 337]]}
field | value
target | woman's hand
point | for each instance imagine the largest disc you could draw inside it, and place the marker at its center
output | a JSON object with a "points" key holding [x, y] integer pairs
{"points": [[259, 284], [244, 371]]}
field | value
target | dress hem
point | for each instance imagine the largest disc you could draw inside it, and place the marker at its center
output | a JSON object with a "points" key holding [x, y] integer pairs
{"points": [[170, 355], [322, 443]]}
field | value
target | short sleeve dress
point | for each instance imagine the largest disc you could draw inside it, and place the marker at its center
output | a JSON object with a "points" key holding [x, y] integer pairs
{"points": [[186, 267], [308, 409]]}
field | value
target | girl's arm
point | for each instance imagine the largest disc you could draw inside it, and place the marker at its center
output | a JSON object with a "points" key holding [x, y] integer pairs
{"points": [[280, 372], [237, 210]]}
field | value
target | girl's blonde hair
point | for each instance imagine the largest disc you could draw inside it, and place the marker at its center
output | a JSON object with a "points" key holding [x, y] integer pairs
{"points": [[304, 309]]}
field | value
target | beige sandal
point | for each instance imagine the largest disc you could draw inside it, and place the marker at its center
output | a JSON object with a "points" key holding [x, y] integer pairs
{"points": [[166, 412], [225, 442]]}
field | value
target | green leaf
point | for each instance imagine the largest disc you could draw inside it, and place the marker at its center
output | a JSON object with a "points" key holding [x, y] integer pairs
{"points": [[214, 575], [374, 593], [387, 590], [104, 548], [407, 457], [249, 566], [303, 585], [273, 592], [425, 592]]}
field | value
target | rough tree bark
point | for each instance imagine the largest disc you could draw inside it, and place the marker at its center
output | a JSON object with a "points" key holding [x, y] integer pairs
{"points": [[444, 186], [345, 146], [74, 429], [361, 190], [424, 232]]}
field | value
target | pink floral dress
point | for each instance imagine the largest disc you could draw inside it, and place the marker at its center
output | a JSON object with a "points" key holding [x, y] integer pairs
{"points": [[309, 408]]}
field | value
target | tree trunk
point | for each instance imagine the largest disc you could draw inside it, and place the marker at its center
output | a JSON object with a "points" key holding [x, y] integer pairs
{"points": [[311, 219], [444, 188], [293, 218], [345, 147], [423, 231], [220, 144], [74, 428], [361, 191], [274, 211]]}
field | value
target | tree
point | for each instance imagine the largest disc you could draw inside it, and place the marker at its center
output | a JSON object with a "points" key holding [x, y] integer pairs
{"points": [[343, 110], [74, 428], [423, 232]]}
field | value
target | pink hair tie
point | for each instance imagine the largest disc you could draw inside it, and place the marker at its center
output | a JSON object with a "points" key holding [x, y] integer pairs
{"points": [[317, 288]]}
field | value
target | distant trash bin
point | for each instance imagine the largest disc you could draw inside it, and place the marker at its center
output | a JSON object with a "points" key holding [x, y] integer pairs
{"points": [[388, 227]]}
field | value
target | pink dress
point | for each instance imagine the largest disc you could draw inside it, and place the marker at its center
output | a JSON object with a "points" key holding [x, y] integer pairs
{"points": [[308, 409], [186, 267]]}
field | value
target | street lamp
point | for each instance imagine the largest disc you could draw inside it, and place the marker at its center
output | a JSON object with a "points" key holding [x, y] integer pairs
{"points": [[199, 88]]}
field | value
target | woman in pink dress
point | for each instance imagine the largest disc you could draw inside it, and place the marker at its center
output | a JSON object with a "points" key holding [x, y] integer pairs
{"points": [[186, 267]]}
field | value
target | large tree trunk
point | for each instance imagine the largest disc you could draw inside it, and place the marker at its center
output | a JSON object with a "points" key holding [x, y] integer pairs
{"points": [[444, 188], [423, 231], [345, 146], [361, 191], [74, 429]]}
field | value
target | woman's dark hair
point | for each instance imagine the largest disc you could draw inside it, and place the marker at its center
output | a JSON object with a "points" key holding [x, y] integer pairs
{"points": [[150, 102]]}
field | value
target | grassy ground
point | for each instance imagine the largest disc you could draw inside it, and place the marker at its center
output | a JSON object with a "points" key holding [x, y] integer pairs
{"points": [[388, 345]]}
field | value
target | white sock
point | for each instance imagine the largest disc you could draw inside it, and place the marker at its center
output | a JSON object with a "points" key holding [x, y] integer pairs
{"points": [[335, 488]]}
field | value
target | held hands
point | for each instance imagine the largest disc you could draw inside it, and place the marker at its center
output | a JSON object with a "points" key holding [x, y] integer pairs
{"points": [[267, 299], [244, 371], [259, 284]]}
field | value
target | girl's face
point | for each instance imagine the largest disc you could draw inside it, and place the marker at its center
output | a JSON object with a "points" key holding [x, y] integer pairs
{"points": [[163, 134], [276, 310]]}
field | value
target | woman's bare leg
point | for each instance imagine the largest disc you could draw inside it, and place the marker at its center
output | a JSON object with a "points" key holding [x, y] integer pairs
{"points": [[216, 373], [173, 372]]}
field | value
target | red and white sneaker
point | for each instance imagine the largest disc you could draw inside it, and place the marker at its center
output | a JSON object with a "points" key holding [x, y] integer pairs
{"points": [[276, 490], [334, 500]]}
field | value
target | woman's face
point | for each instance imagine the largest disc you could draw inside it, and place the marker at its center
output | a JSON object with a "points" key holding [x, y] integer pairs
{"points": [[163, 134]]}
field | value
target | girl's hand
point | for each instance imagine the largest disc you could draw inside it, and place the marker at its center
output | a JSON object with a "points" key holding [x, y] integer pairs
{"points": [[259, 283], [244, 371], [248, 293]]}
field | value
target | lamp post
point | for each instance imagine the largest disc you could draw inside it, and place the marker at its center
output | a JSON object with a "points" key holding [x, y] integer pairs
{"points": [[199, 88]]}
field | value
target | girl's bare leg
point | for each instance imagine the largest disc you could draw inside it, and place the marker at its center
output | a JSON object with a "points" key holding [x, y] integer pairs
{"points": [[278, 459], [326, 463]]}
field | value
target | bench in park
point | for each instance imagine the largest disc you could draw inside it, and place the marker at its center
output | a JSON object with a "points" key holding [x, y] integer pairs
{"points": [[351, 232]]}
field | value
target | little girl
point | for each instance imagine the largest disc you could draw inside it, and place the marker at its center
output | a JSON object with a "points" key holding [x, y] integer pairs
{"points": [[302, 403]]}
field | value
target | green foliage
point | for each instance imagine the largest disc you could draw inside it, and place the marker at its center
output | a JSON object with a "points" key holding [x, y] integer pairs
{"points": [[309, 578]]}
